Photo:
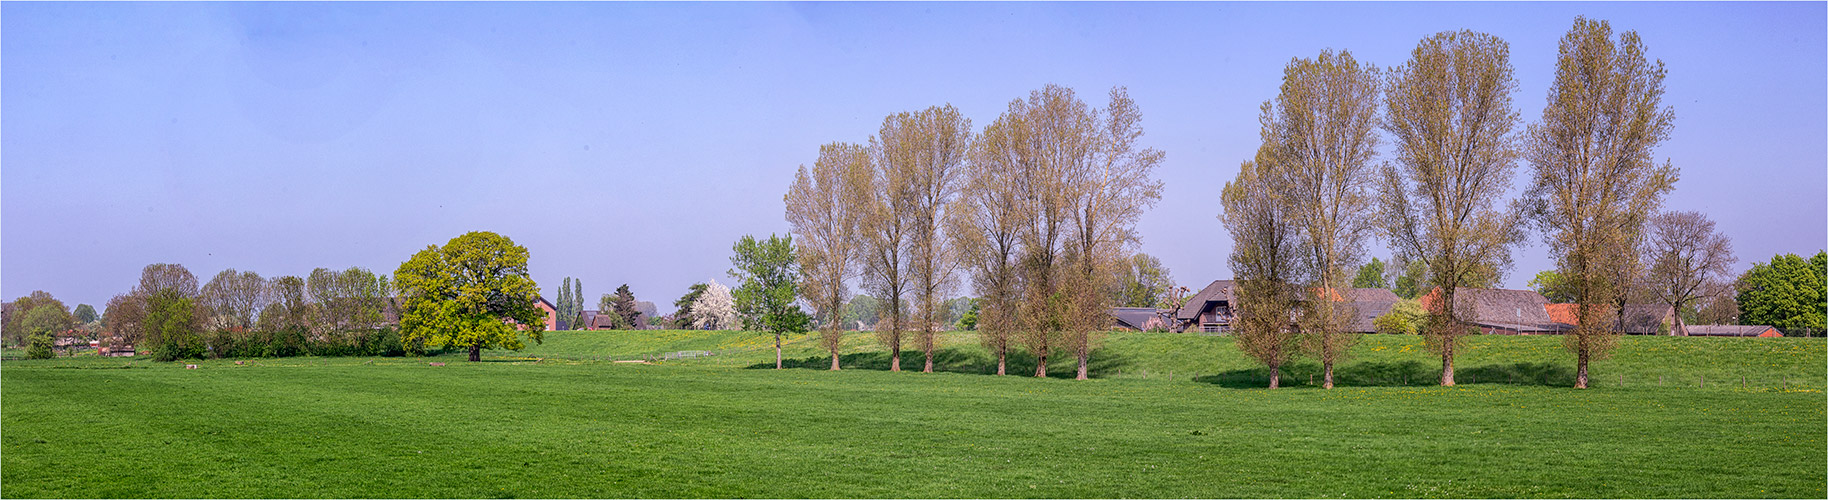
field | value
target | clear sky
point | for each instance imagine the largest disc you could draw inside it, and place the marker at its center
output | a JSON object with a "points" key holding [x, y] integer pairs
{"points": [[634, 143]]}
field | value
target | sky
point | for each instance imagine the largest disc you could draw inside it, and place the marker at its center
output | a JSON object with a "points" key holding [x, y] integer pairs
{"points": [[634, 143]]}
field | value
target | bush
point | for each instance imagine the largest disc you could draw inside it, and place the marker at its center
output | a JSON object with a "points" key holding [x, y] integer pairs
{"points": [[38, 346], [1405, 317]]}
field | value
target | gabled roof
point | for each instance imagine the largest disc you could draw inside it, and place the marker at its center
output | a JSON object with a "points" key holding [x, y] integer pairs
{"points": [[1218, 291], [1371, 295], [1640, 319], [1134, 318], [1490, 306], [1366, 313]]}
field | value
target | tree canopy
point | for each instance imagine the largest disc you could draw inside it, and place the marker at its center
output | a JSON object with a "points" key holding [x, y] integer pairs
{"points": [[769, 277], [464, 293], [1787, 292]]}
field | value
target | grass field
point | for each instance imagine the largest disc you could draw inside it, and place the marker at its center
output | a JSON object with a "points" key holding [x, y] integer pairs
{"points": [[1167, 416]]}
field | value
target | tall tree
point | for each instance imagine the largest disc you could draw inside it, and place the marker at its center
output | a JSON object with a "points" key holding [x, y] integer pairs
{"points": [[1787, 292], [988, 227], [577, 304], [1321, 135], [464, 293], [942, 140], [1265, 250], [123, 320], [895, 154], [769, 277], [1413, 279], [1370, 275], [1109, 189], [1689, 262], [826, 206], [14, 326], [564, 305], [1450, 115], [1037, 138], [1595, 180]]}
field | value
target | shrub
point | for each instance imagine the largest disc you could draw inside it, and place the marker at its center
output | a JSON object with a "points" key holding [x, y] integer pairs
{"points": [[38, 346]]}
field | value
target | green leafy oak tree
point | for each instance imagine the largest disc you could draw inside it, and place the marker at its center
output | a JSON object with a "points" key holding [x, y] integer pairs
{"points": [[473, 293]]}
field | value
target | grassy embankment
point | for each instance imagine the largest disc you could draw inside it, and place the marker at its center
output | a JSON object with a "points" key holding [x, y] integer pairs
{"points": [[395, 427]]}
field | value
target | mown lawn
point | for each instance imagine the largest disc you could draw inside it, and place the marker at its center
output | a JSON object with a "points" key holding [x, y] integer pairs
{"points": [[717, 427]]}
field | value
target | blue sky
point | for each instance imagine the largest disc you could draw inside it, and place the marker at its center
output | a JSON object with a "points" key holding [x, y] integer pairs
{"points": [[633, 143]]}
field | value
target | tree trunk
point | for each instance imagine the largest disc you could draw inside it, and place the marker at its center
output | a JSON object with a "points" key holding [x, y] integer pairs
{"points": [[1681, 327], [834, 360], [1275, 376], [777, 350], [929, 367], [1580, 372], [1082, 355], [1002, 360], [895, 358], [1447, 363], [1326, 382], [476, 352], [1041, 366]]}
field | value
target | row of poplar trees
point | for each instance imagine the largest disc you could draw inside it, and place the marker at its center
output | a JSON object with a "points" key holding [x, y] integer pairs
{"points": [[1035, 210], [1301, 211]]}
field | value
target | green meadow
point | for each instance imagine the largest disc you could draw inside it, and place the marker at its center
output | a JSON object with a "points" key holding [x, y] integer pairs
{"points": [[1166, 415]]}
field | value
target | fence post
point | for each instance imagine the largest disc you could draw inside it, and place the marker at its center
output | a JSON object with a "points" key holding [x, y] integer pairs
{"points": [[1621, 380], [1703, 381], [1659, 381]]}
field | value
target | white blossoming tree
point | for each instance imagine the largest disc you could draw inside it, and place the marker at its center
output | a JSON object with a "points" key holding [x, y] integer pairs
{"points": [[715, 309]]}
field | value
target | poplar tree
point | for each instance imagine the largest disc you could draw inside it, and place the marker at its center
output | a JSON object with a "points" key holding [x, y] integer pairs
{"points": [[1596, 182], [826, 206], [1450, 116]]}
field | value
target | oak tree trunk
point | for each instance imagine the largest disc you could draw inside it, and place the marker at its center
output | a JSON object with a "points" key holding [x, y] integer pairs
{"points": [[895, 358], [1327, 381], [1082, 356], [1275, 376], [1002, 361], [476, 352], [1041, 366], [777, 350]]}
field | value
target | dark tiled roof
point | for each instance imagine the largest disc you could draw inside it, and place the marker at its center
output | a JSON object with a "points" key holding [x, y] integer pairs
{"points": [[1366, 313], [1371, 295], [1219, 290], [1134, 318], [1645, 319], [1491, 306]]}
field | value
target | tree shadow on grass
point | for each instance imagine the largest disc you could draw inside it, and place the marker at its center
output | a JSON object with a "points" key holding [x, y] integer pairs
{"points": [[1395, 374], [952, 360]]}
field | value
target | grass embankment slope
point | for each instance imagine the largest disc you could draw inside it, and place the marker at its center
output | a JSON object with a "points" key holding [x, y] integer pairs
{"points": [[395, 427]]}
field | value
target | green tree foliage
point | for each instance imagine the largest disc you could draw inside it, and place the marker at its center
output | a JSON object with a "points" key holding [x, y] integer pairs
{"points": [[172, 326], [563, 306], [85, 314], [1370, 275], [683, 314], [627, 314], [14, 326], [1787, 293], [1409, 284], [42, 324], [1406, 318], [463, 294], [968, 321], [1552, 286], [769, 274], [1142, 282], [863, 309]]}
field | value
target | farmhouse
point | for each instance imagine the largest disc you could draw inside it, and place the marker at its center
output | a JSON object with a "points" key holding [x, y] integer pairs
{"points": [[1212, 309], [1141, 319]]}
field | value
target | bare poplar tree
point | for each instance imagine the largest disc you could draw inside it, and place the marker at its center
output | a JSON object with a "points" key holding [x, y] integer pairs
{"points": [[1690, 262], [1108, 191], [1040, 137], [895, 153], [986, 227], [1595, 182], [943, 147], [1451, 118], [825, 206], [1321, 131], [1265, 247]]}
